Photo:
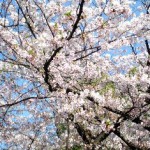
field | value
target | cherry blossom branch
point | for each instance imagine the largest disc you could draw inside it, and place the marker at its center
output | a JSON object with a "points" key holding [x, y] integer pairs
{"points": [[12, 25], [23, 100], [85, 134], [33, 140], [75, 26], [88, 54], [129, 143], [86, 49], [45, 18], [27, 22], [126, 115], [46, 65], [7, 11]]}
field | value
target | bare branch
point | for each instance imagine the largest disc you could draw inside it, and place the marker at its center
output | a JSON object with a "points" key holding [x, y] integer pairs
{"points": [[27, 22], [23, 100]]}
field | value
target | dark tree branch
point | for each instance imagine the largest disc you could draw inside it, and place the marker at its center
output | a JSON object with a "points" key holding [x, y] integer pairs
{"points": [[87, 54], [129, 143], [23, 100], [45, 19], [126, 116], [102, 136], [133, 49], [90, 98], [116, 111], [27, 22], [85, 135], [90, 48], [75, 26], [30, 145], [33, 140], [147, 128], [147, 46], [46, 65]]}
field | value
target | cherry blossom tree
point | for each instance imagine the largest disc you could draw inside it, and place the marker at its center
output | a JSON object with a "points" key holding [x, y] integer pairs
{"points": [[74, 74]]}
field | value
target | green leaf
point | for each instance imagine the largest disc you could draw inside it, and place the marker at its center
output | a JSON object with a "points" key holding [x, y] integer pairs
{"points": [[68, 14], [108, 122], [132, 71], [110, 86], [61, 128], [31, 52], [104, 76], [97, 81], [94, 82], [55, 25], [76, 147], [104, 24]]}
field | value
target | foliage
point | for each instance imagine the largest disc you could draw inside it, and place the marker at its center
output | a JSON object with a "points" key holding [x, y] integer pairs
{"points": [[61, 128], [132, 71], [76, 147], [110, 86], [68, 14]]}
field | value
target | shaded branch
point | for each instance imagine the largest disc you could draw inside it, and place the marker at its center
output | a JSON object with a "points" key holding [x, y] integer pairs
{"points": [[85, 134], [126, 116], [129, 143], [102, 136]]}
